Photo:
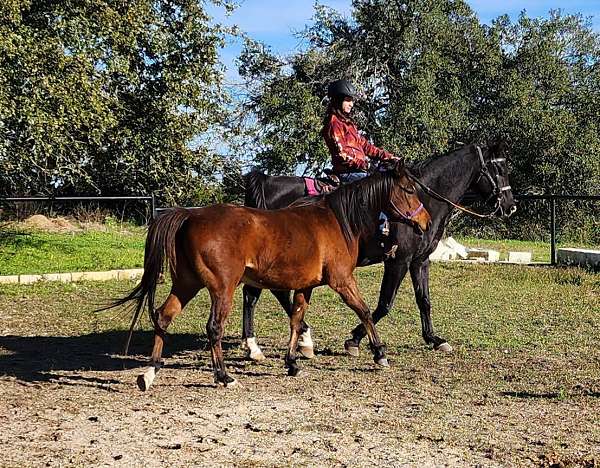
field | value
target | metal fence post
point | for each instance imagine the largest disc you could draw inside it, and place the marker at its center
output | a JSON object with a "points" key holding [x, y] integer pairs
{"points": [[153, 205], [552, 230]]}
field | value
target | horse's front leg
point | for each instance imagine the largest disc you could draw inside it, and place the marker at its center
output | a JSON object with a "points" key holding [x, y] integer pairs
{"points": [[305, 343], [351, 296], [394, 272], [301, 300], [419, 273], [251, 296]]}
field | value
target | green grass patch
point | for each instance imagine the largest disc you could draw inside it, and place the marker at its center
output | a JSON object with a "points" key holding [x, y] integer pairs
{"points": [[484, 307], [29, 251], [104, 247]]}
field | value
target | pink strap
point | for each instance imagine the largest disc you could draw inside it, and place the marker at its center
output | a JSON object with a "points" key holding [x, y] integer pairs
{"points": [[311, 188]]}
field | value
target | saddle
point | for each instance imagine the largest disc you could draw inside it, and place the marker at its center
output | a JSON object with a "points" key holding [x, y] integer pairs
{"points": [[320, 185]]}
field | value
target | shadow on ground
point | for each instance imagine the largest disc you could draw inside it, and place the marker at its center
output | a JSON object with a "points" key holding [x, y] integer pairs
{"points": [[39, 358]]}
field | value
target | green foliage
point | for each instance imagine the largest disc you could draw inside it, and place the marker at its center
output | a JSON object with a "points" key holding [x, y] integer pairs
{"points": [[433, 76], [287, 113], [105, 97]]}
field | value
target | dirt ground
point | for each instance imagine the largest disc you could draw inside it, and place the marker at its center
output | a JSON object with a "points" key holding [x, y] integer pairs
{"points": [[42, 223], [65, 403], [522, 387]]}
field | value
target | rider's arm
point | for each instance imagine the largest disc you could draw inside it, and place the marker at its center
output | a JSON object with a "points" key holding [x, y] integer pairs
{"points": [[373, 151]]}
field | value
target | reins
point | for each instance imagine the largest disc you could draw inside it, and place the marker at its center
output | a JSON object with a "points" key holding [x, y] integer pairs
{"points": [[464, 209]]}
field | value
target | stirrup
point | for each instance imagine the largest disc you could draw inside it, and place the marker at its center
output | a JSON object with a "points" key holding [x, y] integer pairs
{"points": [[385, 228]]}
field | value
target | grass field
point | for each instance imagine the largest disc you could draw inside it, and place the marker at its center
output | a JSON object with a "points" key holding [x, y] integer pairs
{"points": [[522, 387], [31, 251]]}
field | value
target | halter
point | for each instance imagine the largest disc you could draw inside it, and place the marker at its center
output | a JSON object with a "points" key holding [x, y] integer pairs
{"points": [[409, 215], [497, 190]]}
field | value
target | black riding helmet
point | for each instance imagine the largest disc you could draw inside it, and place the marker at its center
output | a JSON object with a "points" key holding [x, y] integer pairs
{"points": [[341, 88]]}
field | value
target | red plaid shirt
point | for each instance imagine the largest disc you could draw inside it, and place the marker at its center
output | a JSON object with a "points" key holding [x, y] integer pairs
{"points": [[349, 150]]}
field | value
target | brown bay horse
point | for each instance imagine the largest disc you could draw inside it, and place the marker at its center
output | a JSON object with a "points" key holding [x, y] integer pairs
{"points": [[296, 248]]}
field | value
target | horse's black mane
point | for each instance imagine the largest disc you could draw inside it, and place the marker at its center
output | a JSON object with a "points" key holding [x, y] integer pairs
{"points": [[419, 167], [356, 205], [254, 196]]}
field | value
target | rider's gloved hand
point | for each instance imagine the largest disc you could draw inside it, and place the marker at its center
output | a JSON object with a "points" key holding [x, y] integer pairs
{"points": [[398, 159]]}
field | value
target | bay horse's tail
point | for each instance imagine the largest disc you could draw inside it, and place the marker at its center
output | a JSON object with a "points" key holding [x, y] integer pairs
{"points": [[160, 242], [254, 197]]}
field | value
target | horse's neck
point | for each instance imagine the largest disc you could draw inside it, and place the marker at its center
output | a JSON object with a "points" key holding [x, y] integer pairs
{"points": [[451, 175]]}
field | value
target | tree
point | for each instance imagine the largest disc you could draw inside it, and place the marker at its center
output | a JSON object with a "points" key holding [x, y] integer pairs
{"points": [[433, 76], [417, 63], [105, 97]]}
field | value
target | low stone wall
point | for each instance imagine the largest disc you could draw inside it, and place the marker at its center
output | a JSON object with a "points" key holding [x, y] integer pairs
{"points": [[449, 249], [579, 257], [130, 274]]}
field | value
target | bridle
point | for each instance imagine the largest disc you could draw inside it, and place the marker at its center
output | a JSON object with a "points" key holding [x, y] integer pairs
{"points": [[497, 189]]}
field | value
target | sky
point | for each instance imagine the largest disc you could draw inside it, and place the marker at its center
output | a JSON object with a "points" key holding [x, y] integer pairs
{"points": [[274, 22]]}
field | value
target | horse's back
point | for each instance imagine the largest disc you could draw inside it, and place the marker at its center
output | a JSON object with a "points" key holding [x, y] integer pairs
{"points": [[279, 249]]}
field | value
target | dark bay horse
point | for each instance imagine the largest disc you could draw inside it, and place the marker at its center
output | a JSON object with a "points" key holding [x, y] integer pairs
{"points": [[296, 248], [469, 173]]}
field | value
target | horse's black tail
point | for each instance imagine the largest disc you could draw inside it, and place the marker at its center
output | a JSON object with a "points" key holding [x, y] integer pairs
{"points": [[254, 196], [160, 242]]}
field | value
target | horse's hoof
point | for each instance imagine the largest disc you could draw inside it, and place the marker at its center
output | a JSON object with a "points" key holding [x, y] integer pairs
{"points": [[444, 347], [293, 371], [232, 383], [256, 355], [144, 381], [307, 352], [383, 362], [351, 348], [254, 352]]}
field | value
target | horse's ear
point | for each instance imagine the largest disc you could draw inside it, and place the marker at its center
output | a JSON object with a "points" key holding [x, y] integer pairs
{"points": [[498, 144], [398, 167]]}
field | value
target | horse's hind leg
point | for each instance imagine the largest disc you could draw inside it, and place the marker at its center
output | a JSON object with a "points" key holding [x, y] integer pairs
{"points": [[301, 300], [181, 293], [222, 300], [305, 343], [251, 296]]}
